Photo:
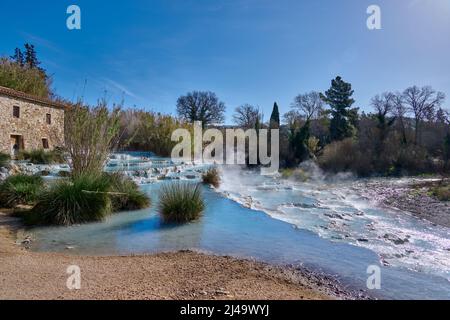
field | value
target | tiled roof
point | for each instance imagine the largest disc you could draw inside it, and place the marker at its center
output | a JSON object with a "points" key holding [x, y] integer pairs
{"points": [[28, 97]]}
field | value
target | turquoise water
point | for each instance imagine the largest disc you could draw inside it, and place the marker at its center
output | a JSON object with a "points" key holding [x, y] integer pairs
{"points": [[229, 228]]}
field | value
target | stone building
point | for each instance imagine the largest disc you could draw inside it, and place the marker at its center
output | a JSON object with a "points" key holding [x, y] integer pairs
{"points": [[29, 123]]}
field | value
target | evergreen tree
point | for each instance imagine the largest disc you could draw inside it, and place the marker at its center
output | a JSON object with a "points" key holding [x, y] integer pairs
{"points": [[339, 98], [298, 140], [18, 57], [275, 117], [31, 60]]}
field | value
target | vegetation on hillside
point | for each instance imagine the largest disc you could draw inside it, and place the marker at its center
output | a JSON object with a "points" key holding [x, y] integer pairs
{"points": [[22, 72]]}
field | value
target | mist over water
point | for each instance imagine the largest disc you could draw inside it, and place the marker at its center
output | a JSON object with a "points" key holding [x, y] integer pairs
{"points": [[343, 209], [330, 224]]}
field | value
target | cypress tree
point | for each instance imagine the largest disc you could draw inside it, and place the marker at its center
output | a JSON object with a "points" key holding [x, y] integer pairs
{"points": [[275, 117]]}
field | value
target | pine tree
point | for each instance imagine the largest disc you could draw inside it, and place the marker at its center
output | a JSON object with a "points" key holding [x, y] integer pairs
{"points": [[31, 60], [339, 98], [18, 57], [275, 117]]}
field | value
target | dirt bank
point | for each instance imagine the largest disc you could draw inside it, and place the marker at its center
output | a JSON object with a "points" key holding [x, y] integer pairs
{"points": [[180, 275]]}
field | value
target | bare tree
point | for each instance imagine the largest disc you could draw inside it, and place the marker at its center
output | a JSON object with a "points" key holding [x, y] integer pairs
{"points": [[247, 116], [384, 105], [310, 104], [400, 112], [422, 102], [201, 106], [292, 119]]}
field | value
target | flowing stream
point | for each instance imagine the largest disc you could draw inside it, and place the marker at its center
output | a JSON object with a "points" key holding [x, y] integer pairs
{"points": [[332, 226]]}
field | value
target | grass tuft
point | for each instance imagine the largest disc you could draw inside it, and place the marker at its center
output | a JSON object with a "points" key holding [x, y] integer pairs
{"points": [[20, 190], [129, 196], [181, 202], [211, 177], [66, 202], [41, 156]]}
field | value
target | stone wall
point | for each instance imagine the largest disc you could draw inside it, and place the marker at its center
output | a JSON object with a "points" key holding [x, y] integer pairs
{"points": [[31, 125]]}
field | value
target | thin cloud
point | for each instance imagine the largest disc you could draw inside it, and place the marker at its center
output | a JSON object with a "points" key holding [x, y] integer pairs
{"points": [[42, 42], [120, 87]]}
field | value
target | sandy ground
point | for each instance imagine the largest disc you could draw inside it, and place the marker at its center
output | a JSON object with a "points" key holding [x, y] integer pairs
{"points": [[181, 275]]}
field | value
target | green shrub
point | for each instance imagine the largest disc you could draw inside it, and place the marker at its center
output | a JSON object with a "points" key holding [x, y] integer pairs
{"points": [[181, 202], [67, 202], [22, 78], [129, 196], [211, 177], [442, 192], [4, 159], [40, 156], [20, 189]]}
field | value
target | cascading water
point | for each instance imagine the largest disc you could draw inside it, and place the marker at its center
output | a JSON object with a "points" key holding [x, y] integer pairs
{"points": [[331, 225]]}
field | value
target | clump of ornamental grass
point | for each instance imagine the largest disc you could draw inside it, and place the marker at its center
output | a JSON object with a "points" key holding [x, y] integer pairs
{"points": [[212, 177], [84, 198], [4, 159], [181, 202], [125, 194], [20, 190]]}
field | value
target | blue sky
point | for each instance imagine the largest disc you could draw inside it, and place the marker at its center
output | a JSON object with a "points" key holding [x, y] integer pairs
{"points": [[247, 51]]}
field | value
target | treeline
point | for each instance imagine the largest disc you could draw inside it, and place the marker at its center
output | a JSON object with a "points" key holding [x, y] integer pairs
{"points": [[405, 132]]}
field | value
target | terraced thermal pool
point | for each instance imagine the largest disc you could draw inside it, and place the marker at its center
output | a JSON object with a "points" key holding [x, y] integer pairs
{"points": [[330, 227]]}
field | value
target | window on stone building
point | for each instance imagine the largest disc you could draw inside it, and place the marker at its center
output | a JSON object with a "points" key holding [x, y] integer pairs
{"points": [[45, 143], [48, 118], [16, 112]]}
